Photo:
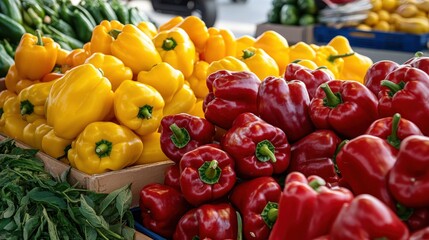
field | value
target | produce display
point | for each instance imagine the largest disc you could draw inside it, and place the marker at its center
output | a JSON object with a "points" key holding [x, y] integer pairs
{"points": [[293, 12], [265, 138]]}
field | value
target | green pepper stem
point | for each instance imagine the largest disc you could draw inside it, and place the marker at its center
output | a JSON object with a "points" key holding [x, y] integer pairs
{"points": [[114, 33], [169, 44], [316, 183], [247, 54], [1, 112], [103, 148], [297, 61], [267, 152], [332, 99], [145, 112], [332, 58], [393, 87], [334, 158], [269, 213], [272, 214], [26, 107], [211, 170], [321, 67], [403, 212], [393, 139], [39, 37], [418, 54]]}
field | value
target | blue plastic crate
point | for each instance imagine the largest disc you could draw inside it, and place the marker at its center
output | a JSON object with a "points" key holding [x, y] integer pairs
{"points": [[139, 226], [374, 39]]}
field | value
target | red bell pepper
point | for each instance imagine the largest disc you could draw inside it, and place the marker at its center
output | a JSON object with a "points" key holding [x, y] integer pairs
{"points": [[209, 221], [172, 176], [230, 93], [258, 148], [346, 107], [422, 234], [285, 105], [307, 208], [161, 208], [206, 174], [183, 132], [406, 91], [408, 179], [419, 219], [311, 78], [419, 61], [393, 129], [313, 155], [366, 217], [377, 72], [257, 201], [364, 163]]}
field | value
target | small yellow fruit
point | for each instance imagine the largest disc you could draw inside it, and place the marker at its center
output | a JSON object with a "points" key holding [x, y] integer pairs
{"points": [[382, 26], [371, 19], [389, 5], [376, 5], [383, 15], [363, 27], [407, 10]]}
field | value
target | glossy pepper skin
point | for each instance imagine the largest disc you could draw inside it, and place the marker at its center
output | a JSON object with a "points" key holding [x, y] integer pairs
{"points": [[404, 91], [103, 35], [148, 28], [181, 133], [258, 148], [314, 155], [175, 47], [420, 235], [257, 201], [276, 46], [130, 45], [183, 101], [11, 79], [152, 151], [113, 68], [366, 217], [278, 100], [161, 208], [346, 107], [103, 147], [197, 31], [259, 62], [4, 95], [329, 57], [366, 172], [33, 99], [29, 132], [216, 221], [311, 78], [172, 176], [69, 117], [229, 63], [220, 43], [164, 78], [54, 145], [408, 178], [377, 72], [197, 81], [419, 61], [35, 56], [13, 123], [393, 129], [243, 42], [307, 202], [230, 94], [138, 106], [206, 174], [300, 51]]}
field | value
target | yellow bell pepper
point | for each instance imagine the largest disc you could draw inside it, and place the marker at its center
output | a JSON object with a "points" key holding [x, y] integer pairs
{"points": [[23, 84], [4, 95], [103, 147], [35, 56], [152, 151], [32, 100], [197, 81], [83, 95], [138, 106], [29, 132], [329, 57], [307, 63], [276, 46], [40, 132], [113, 68], [243, 42], [171, 23], [220, 43], [301, 51], [62, 56], [183, 101], [260, 63], [12, 78], [198, 108], [148, 28], [196, 30], [13, 123], [76, 57], [355, 66], [176, 48], [164, 78], [104, 34], [55, 146], [135, 49], [227, 63]]}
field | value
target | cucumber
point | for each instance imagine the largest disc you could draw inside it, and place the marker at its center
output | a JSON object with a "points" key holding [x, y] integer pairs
{"points": [[10, 29]]}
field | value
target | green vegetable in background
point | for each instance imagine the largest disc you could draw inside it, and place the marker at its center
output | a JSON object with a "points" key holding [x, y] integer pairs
{"points": [[307, 6], [289, 15], [34, 205], [5, 61], [307, 19]]}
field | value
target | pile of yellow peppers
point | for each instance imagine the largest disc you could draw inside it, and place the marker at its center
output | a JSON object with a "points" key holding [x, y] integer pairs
{"points": [[99, 108]]}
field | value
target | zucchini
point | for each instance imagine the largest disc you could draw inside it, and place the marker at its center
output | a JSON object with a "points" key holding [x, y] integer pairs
{"points": [[5, 61], [10, 29]]}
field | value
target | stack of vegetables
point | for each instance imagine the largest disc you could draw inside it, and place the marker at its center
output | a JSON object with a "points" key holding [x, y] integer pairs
{"points": [[293, 12], [279, 159]]}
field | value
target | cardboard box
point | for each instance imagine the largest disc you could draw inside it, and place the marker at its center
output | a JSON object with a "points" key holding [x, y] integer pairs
{"points": [[293, 34]]}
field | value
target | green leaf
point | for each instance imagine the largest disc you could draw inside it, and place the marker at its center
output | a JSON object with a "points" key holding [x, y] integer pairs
{"points": [[128, 233], [10, 210], [48, 198], [10, 226], [90, 233], [111, 197], [30, 226], [64, 175], [89, 213], [52, 228], [123, 201]]}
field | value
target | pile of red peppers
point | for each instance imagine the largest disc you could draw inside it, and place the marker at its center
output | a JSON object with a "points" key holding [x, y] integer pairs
{"points": [[301, 156]]}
